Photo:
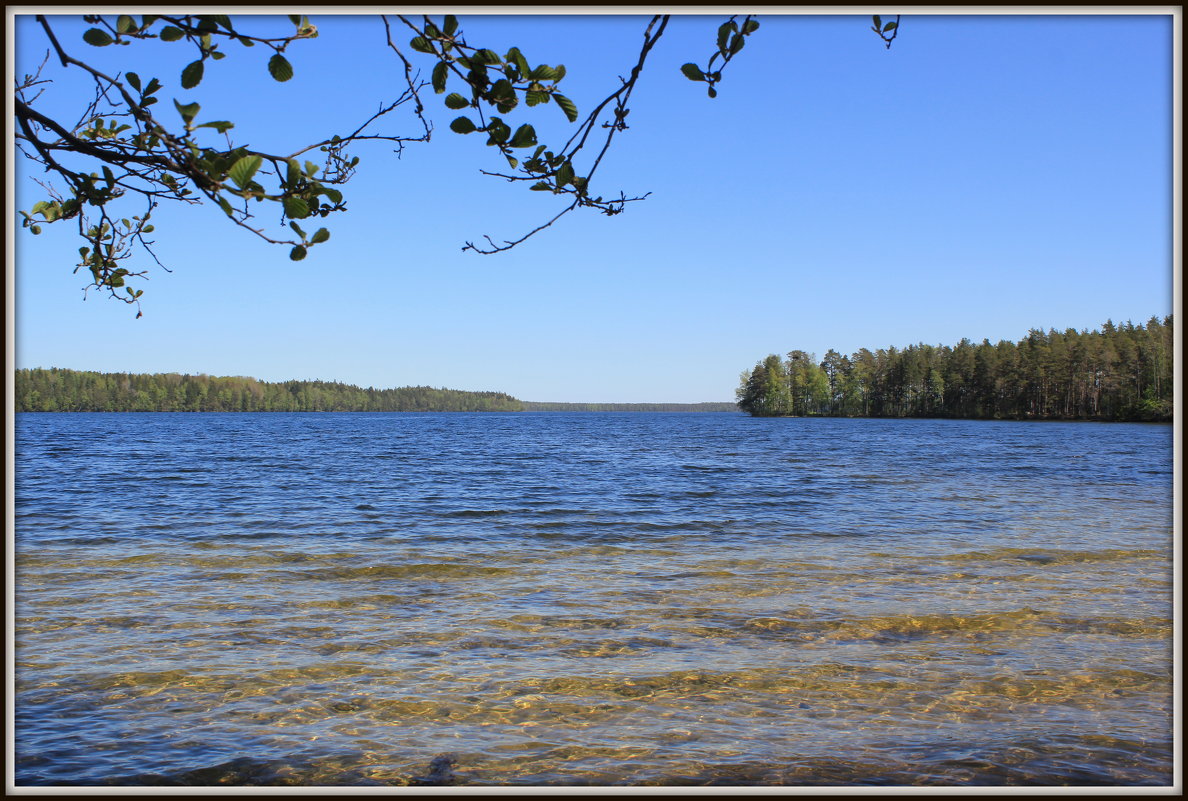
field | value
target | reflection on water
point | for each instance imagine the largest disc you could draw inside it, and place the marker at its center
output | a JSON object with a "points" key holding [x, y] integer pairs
{"points": [[591, 599]]}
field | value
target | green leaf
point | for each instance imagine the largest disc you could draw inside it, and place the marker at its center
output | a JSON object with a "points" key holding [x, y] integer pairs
{"points": [[488, 56], [170, 34], [503, 94], [296, 208], [440, 74], [750, 26], [222, 126], [497, 131], [450, 25], [878, 22], [97, 37], [890, 26], [565, 174], [540, 186], [125, 24], [512, 161], [421, 45], [188, 111], [724, 31], [456, 101], [280, 68], [192, 75], [463, 125], [693, 72], [295, 19], [333, 194], [543, 73], [516, 57], [133, 80], [737, 43], [225, 206], [36, 229], [297, 253], [321, 235], [571, 112], [242, 171], [297, 228], [525, 136], [536, 97]]}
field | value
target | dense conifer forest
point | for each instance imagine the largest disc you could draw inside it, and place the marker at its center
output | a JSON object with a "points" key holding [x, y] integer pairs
{"points": [[58, 390], [1121, 372]]}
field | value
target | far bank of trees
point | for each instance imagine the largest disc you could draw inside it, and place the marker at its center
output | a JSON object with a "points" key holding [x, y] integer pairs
{"points": [[1121, 372], [60, 390]]}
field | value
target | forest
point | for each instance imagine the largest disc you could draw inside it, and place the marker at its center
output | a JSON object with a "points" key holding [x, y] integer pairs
{"points": [[1118, 373], [60, 390]]}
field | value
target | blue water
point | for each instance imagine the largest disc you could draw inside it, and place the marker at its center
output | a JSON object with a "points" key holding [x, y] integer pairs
{"points": [[590, 598]]}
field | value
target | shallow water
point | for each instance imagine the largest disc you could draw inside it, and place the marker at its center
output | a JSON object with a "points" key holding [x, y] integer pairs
{"points": [[553, 598]]}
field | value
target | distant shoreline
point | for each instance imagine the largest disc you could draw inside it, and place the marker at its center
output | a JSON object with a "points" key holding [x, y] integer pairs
{"points": [[538, 406], [58, 389], [668, 408]]}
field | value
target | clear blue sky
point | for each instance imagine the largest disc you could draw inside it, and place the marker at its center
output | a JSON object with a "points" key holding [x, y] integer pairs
{"points": [[984, 176]]}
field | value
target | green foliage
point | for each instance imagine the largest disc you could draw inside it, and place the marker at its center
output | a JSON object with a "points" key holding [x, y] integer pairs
{"points": [[96, 37], [731, 40], [1118, 373], [57, 390], [192, 75], [280, 68], [139, 156], [242, 171], [883, 29]]}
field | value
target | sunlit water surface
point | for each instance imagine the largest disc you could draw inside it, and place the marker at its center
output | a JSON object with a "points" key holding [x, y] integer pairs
{"points": [[549, 598]]}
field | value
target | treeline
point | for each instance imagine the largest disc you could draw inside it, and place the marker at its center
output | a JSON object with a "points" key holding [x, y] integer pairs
{"points": [[537, 406], [59, 390], [1122, 372]]}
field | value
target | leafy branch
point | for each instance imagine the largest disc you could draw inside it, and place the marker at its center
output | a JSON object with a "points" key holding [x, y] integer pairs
{"points": [[883, 29], [132, 150], [140, 153], [731, 39]]}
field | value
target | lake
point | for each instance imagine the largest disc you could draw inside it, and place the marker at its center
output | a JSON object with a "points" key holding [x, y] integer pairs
{"points": [[591, 599]]}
